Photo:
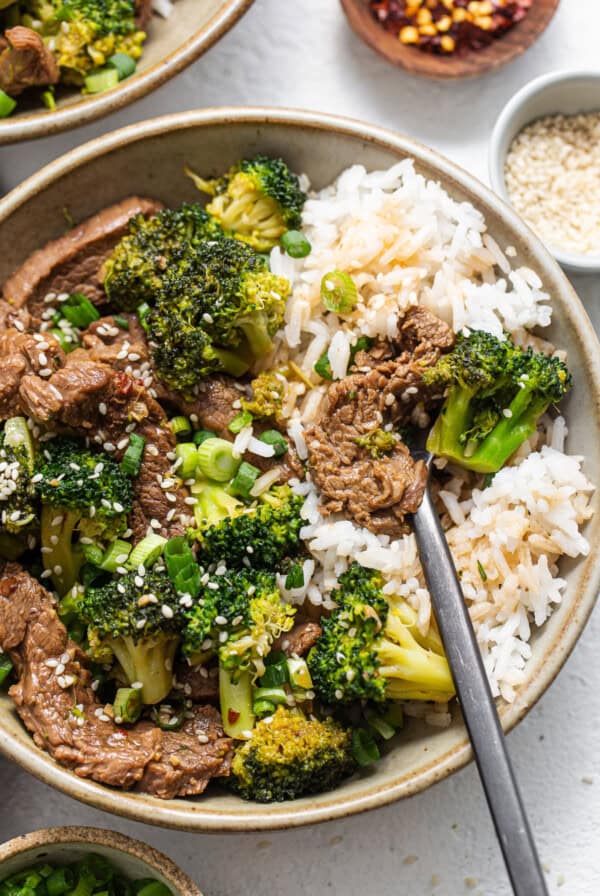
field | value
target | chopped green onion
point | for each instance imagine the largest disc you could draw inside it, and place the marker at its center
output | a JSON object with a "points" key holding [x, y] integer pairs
{"points": [[154, 888], [132, 459], [127, 705], [299, 674], [275, 675], [262, 708], [274, 438], [216, 460], [121, 322], [274, 695], [482, 572], [202, 435], [98, 866], [147, 551], [7, 104], [180, 426], [79, 311], [338, 292], [244, 479], [123, 63], [85, 884], [17, 435], [93, 553], [181, 566], [364, 749], [323, 367], [6, 667], [101, 80], [394, 715], [67, 342], [295, 577], [168, 719], [187, 453], [117, 555], [48, 98], [295, 244], [60, 881], [240, 421], [381, 727], [143, 311]]}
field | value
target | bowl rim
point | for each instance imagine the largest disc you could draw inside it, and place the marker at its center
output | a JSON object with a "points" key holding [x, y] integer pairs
{"points": [[182, 883], [192, 816], [37, 124], [504, 133]]}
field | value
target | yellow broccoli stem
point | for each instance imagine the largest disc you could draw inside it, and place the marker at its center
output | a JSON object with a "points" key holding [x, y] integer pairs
{"points": [[149, 662], [59, 555], [413, 670]]}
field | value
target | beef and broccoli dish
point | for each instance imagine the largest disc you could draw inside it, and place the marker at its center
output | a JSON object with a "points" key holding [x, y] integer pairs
{"points": [[206, 479]]}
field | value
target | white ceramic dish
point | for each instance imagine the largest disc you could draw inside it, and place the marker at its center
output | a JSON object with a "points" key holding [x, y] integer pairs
{"points": [[565, 93]]}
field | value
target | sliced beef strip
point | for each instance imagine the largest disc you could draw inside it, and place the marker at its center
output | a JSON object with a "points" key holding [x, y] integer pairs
{"points": [[189, 758], [13, 318], [25, 61], [75, 397], [165, 764], [143, 13], [198, 683], [299, 640], [24, 353], [105, 341], [72, 262], [377, 492]]}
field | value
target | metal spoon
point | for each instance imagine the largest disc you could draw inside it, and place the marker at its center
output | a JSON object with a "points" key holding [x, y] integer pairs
{"points": [[477, 704]]}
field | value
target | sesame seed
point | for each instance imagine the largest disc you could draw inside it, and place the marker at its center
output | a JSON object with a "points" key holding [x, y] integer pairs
{"points": [[507, 412], [102, 408], [166, 611]]}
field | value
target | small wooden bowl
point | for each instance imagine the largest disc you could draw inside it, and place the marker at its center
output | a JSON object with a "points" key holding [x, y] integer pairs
{"points": [[418, 62]]}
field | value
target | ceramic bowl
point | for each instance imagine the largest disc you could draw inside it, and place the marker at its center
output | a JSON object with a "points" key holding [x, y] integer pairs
{"points": [[172, 44], [148, 159], [564, 93], [134, 859]]}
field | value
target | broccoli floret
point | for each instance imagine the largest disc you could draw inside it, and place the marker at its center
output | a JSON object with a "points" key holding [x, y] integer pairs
{"points": [[135, 271], [258, 199], [496, 394], [377, 442], [371, 648], [138, 624], [268, 392], [289, 756], [237, 616], [263, 535], [83, 34], [83, 493], [18, 509], [218, 311]]}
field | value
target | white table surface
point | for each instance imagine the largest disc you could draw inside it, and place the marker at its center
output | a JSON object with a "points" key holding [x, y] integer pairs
{"points": [[440, 843]]}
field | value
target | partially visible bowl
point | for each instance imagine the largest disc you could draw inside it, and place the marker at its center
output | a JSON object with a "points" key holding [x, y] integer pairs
{"points": [[172, 44], [564, 93], [133, 858]]}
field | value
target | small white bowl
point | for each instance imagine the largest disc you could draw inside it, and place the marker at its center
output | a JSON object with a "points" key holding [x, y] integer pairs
{"points": [[560, 93]]}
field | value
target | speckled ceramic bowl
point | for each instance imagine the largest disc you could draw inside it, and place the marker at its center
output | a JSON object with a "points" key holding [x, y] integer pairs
{"points": [[148, 159], [172, 44], [134, 859]]}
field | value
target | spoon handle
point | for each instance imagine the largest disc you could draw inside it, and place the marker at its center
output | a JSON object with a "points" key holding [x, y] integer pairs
{"points": [[478, 706]]}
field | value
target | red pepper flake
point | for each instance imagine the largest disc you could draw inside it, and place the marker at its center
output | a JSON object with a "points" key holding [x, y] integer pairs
{"points": [[123, 383], [232, 716], [449, 26]]}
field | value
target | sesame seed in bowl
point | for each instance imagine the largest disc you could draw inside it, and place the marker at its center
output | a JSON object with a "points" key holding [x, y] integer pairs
{"points": [[545, 161]]}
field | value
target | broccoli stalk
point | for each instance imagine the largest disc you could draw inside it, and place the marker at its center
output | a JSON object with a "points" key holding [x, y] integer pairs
{"points": [[237, 616], [496, 394], [371, 648], [138, 624], [83, 494], [290, 756], [18, 509], [257, 200]]}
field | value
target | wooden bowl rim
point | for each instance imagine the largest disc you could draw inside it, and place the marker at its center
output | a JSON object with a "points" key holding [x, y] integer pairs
{"points": [[428, 65]]}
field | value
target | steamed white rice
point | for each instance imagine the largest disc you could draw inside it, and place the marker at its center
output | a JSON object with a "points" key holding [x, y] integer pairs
{"points": [[405, 242]]}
